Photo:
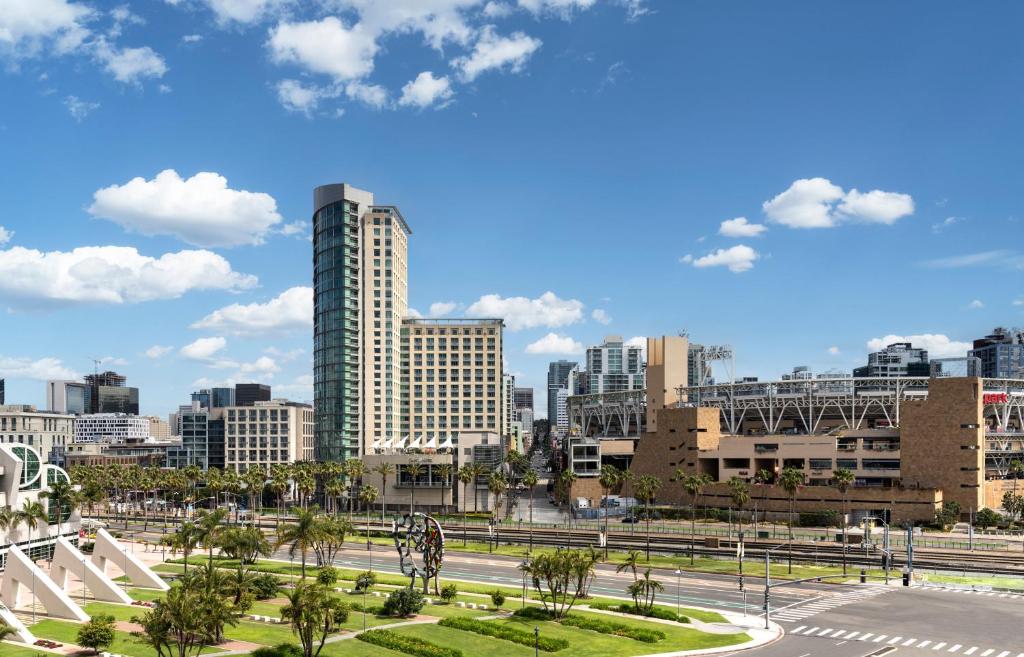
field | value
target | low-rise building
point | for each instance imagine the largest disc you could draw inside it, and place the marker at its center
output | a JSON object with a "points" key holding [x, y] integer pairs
{"points": [[145, 453], [48, 433], [111, 428]]}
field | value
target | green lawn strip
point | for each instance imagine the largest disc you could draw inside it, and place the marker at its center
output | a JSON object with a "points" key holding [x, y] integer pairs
{"points": [[613, 627], [9, 650], [409, 645], [267, 634], [355, 648], [67, 632], [504, 632], [1014, 583], [119, 612]]}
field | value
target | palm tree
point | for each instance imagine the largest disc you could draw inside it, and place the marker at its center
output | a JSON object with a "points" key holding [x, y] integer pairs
{"points": [[64, 499], [647, 488], [301, 534], [210, 525], [610, 476], [740, 493], [530, 480], [414, 469], [567, 479], [30, 514], [185, 539], [444, 471], [842, 479], [279, 486], [478, 471], [496, 485], [384, 470], [355, 470], [367, 495], [791, 479], [333, 490], [1016, 471], [465, 476], [255, 479], [763, 478], [693, 484]]}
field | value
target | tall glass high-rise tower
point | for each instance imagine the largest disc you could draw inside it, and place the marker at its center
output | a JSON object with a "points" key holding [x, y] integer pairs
{"points": [[360, 286]]}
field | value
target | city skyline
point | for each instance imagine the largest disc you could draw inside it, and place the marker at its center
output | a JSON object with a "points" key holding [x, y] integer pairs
{"points": [[172, 170]]}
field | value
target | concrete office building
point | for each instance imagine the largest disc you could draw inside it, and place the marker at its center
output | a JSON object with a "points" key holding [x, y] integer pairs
{"points": [[107, 393], [897, 359], [558, 376], [2, 393], [561, 426], [246, 394], [110, 428], [202, 438], [224, 397], [268, 433], [67, 397], [146, 453], [613, 366], [159, 429], [522, 398], [508, 386], [47, 433], [360, 287], [454, 379], [1001, 353]]}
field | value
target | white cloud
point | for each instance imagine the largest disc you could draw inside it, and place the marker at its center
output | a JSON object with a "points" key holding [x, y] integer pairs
{"points": [[415, 314], [130, 65], [562, 7], [438, 20], [638, 341], [976, 304], [833, 351], [494, 52], [203, 348], [325, 46], [995, 258], [79, 109], [291, 310], [441, 308], [294, 228], [112, 360], [192, 38], [28, 26], [552, 343], [739, 258], [262, 365], [5, 235], [818, 203], [740, 227], [426, 90], [284, 356], [371, 95], [522, 313], [165, 89], [158, 351], [496, 10], [111, 274], [946, 223], [298, 97], [200, 210], [635, 9], [601, 316], [1018, 302], [244, 11], [42, 369], [938, 345]]}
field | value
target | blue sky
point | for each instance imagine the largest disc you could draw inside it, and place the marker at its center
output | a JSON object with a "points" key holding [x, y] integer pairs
{"points": [[590, 149]]}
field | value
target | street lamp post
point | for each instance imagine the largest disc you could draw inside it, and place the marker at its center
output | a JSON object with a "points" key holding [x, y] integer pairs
{"points": [[536, 641], [522, 567], [768, 582], [679, 576]]}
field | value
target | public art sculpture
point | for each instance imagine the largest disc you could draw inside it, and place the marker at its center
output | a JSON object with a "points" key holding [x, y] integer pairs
{"points": [[418, 534]]}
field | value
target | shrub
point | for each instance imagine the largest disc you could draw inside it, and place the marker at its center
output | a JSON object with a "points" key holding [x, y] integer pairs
{"points": [[448, 592], [97, 634], [265, 586], [281, 650], [612, 627], [328, 576], [829, 518], [656, 612], [504, 632], [498, 598], [535, 613], [407, 644], [403, 602], [365, 581]]}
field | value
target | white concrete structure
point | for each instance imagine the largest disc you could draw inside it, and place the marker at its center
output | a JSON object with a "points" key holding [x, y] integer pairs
{"points": [[22, 576], [20, 631], [67, 559], [106, 549], [111, 428]]}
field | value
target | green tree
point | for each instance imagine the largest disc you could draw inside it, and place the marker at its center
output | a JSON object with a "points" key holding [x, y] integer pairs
{"points": [[842, 479], [693, 484], [444, 471], [300, 535], [367, 496], [385, 470], [791, 480], [211, 527], [176, 626], [566, 481], [31, 514], [609, 478], [414, 469], [64, 501], [739, 491], [646, 488], [97, 633], [466, 476], [314, 614], [184, 540]]}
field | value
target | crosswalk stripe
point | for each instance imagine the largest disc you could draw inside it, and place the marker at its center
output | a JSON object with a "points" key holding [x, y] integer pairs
{"points": [[837, 633], [955, 648], [1003, 653], [849, 637], [864, 637], [880, 638], [988, 652], [909, 642], [939, 646], [797, 630], [811, 631], [924, 644], [894, 640], [825, 631], [971, 650]]}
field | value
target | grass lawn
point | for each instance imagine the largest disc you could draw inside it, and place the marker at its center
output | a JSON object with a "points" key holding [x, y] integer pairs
{"points": [[119, 612], [584, 643], [9, 650], [1016, 583], [266, 634], [67, 632]]}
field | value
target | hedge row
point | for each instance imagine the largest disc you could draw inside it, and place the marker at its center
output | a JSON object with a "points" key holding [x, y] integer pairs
{"points": [[407, 644], [656, 612], [504, 632], [612, 627], [534, 613]]}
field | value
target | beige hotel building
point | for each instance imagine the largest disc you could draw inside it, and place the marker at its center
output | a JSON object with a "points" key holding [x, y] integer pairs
{"points": [[266, 434]]}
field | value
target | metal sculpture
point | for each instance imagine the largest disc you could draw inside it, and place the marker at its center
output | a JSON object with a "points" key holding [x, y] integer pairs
{"points": [[418, 533]]}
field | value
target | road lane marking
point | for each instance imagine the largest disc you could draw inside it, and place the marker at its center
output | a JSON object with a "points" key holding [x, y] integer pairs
{"points": [[909, 642], [797, 630], [971, 650], [1003, 653], [825, 631], [812, 630], [939, 646], [955, 648], [894, 640], [864, 637], [988, 652], [879, 638], [923, 644]]}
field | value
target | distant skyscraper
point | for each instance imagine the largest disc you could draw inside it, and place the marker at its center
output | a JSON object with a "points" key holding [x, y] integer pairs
{"points": [[247, 394], [2, 394], [1001, 354], [523, 398], [360, 283], [613, 366], [107, 393], [221, 397], [558, 376], [897, 359], [67, 397]]}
